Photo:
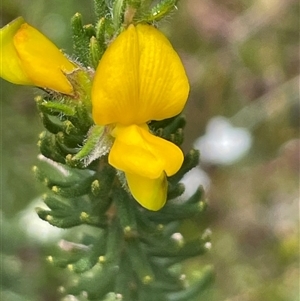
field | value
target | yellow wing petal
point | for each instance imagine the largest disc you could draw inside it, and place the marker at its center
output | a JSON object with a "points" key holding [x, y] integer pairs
{"points": [[42, 60], [150, 193], [139, 78], [10, 64], [136, 151]]}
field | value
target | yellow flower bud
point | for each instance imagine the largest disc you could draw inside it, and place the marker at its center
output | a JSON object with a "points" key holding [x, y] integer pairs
{"points": [[29, 58]]}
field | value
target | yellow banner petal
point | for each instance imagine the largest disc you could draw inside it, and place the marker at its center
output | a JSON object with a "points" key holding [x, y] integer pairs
{"points": [[150, 193], [136, 151], [139, 78], [10, 64], [42, 60]]}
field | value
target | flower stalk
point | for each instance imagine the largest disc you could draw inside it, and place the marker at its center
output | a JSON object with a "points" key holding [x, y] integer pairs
{"points": [[110, 153]]}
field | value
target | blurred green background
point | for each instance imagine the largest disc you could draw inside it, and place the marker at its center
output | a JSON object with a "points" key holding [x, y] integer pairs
{"points": [[242, 59]]}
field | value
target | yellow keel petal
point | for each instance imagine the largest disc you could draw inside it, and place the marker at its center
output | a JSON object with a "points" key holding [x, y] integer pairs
{"points": [[137, 151], [150, 193]]}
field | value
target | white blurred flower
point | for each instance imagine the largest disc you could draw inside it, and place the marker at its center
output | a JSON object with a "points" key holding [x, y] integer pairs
{"points": [[223, 143], [35, 227], [192, 180]]}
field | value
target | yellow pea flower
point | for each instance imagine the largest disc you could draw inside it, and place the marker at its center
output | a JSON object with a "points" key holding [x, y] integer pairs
{"points": [[141, 78], [29, 58]]}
